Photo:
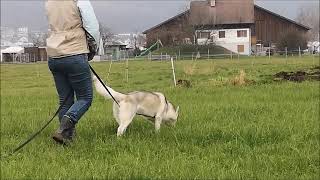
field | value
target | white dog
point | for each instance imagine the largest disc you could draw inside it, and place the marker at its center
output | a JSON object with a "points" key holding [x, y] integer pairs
{"points": [[152, 105]]}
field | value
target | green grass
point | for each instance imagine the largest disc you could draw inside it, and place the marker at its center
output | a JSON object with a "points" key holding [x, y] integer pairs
{"points": [[263, 130]]}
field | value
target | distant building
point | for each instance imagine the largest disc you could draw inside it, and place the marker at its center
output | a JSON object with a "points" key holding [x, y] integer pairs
{"points": [[23, 54], [15, 37], [7, 33], [236, 25], [116, 50], [23, 32]]}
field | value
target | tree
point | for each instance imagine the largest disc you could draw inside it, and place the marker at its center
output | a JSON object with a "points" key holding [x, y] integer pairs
{"points": [[309, 16], [106, 34], [292, 40], [138, 41], [38, 39]]}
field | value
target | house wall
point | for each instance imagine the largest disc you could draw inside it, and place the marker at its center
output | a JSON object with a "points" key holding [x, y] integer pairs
{"points": [[113, 51], [36, 53], [269, 28], [224, 12], [43, 54], [231, 41]]}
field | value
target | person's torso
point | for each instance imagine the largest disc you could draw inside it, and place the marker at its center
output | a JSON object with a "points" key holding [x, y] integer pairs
{"points": [[67, 37]]}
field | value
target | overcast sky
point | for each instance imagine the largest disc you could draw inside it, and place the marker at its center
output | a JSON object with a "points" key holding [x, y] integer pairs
{"points": [[126, 16]]}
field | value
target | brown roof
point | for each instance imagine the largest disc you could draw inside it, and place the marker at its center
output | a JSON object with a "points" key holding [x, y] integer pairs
{"points": [[167, 21], [255, 6], [282, 17]]}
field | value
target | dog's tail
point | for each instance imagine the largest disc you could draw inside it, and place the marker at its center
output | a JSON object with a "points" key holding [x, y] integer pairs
{"points": [[103, 92]]}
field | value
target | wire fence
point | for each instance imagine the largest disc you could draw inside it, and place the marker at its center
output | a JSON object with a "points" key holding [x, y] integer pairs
{"points": [[196, 55], [269, 53]]}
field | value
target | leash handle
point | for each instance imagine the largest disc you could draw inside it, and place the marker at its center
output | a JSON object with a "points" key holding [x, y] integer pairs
{"points": [[42, 128], [94, 72]]}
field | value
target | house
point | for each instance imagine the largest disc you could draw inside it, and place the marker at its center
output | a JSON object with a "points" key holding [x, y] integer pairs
{"points": [[36, 53], [115, 50], [11, 54], [24, 54], [239, 26]]}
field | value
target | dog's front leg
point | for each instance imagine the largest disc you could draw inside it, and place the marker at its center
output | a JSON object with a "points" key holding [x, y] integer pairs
{"points": [[157, 123]]}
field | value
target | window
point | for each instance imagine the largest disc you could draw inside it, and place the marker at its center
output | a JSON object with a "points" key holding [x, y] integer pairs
{"points": [[222, 34], [213, 3], [242, 33], [240, 48], [203, 34]]}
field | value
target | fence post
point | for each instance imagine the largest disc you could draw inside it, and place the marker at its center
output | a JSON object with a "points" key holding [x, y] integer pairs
{"points": [[109, 68], [179, 54], [173, 72], [286, 49], [299, 52], [208, 53], [231, 55], [127, 70], [269, 50], [198, 55], [161, 56]]}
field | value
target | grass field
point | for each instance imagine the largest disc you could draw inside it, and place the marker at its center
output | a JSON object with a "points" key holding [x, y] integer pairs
{"points": [[261, 130]]}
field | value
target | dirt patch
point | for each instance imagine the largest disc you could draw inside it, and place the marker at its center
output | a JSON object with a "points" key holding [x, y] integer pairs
{"points": [[184, 83], [299, 76]]}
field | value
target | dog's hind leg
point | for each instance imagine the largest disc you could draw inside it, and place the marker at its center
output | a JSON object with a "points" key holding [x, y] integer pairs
{"points": [[126, 114], [116, 112]]}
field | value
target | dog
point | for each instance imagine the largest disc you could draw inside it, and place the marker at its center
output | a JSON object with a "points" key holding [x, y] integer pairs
{"points": [[151, 105]]}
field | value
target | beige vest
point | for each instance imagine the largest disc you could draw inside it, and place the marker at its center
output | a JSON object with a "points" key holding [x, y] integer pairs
{"points": [[67, 37]]}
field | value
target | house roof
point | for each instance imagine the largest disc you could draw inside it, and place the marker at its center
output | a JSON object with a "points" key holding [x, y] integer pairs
{"points": [[166, 21], [256, 6], [282, 17], [13, 50], [115, 43]]}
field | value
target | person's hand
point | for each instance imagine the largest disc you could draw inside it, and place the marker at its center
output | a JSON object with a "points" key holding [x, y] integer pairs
{"points": [[92, 46]]}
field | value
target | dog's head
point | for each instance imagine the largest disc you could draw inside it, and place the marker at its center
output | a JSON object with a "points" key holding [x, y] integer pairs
{"points": [[94, 78], [172, 114]]}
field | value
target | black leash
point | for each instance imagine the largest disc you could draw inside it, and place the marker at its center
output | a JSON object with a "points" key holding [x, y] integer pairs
{"points": [[94, 72], [55, 114], [39, 131]]}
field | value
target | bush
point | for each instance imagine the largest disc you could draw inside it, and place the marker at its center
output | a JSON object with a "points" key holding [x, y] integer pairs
{"points": [[292, 40]]}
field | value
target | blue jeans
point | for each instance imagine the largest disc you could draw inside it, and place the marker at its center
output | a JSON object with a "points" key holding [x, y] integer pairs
{"points": [[72, 74]]}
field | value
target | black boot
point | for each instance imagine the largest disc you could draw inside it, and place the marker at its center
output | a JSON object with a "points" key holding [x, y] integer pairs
{"points": [[65, 132]]}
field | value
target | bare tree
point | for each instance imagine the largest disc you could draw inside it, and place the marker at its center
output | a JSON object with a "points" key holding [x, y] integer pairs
{"points": [[309, 16], [38, 39], [202, 22], [106, 34], [138, 41]]}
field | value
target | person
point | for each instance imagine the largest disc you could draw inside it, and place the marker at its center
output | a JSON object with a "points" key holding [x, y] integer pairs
{"points": [[74, 35]]}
